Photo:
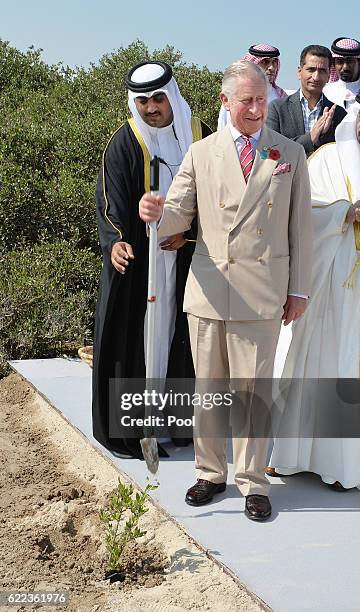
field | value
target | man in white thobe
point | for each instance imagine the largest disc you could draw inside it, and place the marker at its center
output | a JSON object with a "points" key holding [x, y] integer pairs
{"points": [[344, 82], [326, 340]]}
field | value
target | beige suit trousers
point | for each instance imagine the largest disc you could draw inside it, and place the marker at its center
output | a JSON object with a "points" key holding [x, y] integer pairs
{"points": [[241, 352]]}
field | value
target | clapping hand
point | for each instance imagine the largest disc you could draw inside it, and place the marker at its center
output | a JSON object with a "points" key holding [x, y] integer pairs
{"points": [[323, 124]]}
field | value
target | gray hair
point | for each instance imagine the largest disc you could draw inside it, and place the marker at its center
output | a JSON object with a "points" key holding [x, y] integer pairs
{"points": [[239, 69]]}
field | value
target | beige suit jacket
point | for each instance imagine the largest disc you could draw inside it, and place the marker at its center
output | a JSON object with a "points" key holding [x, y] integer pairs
{"points": [[254, 240]]}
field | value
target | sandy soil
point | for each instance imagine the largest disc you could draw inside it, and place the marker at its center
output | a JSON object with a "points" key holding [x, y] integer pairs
{"points": [[52, 486]]}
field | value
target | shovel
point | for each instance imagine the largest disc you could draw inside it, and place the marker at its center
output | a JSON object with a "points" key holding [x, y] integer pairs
{"points": [[149, 445]]}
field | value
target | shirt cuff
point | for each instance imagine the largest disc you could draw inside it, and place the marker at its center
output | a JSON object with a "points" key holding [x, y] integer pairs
{"points": [[300, 295]]}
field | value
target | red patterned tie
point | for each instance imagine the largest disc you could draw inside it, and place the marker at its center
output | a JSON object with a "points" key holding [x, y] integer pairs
{"points": [[246, 158]]}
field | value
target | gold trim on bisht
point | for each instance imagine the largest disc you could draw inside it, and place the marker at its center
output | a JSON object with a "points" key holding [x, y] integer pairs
{"points": [[356, 223], [196, 129], [350, 281], [145, 152], [196, 132], [197, 135], [318, 150], [104, 186]]}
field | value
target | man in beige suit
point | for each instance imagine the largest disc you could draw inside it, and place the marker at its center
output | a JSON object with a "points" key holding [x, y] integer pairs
{"points": [[249, 188]]}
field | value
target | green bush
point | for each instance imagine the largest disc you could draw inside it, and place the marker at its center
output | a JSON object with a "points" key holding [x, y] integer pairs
{"points": [[55, 123], [24, 72], [47, 300]]}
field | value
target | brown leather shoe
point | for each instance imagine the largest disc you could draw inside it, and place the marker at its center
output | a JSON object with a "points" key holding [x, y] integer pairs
{"points": [[270, 471], [203, 491], [257, 507]]}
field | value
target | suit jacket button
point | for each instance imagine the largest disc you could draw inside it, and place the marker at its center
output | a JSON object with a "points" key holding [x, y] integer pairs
{"points": [[231, 260], [222, 205], [270, 204], [260, 231], [259, 259]]}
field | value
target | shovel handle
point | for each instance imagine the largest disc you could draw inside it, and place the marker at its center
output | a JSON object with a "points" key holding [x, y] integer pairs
{"points": [[151, 305]]}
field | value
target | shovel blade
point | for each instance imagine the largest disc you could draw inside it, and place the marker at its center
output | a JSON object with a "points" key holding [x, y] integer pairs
{"points": [[149, 449]]}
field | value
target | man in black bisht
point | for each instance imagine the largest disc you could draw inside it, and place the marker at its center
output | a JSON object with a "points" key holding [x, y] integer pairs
{"points": [[162, 125]]}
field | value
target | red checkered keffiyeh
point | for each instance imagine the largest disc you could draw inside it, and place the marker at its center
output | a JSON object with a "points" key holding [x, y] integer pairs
{"points": [[273, 52], [343, 47]]}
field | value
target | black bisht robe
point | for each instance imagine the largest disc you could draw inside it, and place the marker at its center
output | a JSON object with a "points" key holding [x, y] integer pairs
{"points": [[122, 299]]}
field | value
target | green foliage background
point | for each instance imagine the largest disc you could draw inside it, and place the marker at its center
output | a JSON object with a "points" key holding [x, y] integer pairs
{"points": [[54, 125]]}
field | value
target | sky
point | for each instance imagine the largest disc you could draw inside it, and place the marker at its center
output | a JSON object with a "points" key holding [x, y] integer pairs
{"points": [[207, 32]]}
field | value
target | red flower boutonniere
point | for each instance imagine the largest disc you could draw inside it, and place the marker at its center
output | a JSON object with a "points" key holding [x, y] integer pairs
{"points": [[273, 154]]}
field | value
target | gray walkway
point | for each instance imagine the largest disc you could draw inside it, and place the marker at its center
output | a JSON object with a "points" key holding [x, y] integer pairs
{"points": [[305, 558]]}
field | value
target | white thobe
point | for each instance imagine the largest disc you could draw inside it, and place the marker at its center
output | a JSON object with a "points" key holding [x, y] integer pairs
{"points": [[164, 145], [326, 339], [342, 93]]}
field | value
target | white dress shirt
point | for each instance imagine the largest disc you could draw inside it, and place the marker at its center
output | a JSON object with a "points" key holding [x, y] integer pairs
{"points": [[239, 140], [310, 115]]}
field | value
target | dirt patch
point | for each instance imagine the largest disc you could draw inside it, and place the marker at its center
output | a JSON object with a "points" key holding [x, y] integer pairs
{"points": [[52, 486], [144, 565]]}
